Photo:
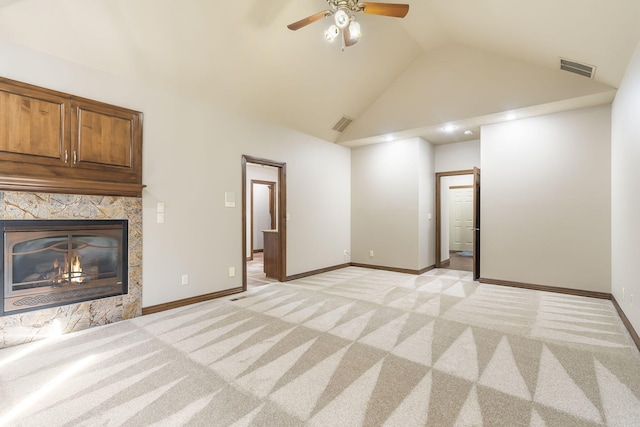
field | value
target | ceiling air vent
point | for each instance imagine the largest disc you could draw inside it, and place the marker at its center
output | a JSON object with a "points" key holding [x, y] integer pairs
{"points": [[577, 68], [342, 124]]}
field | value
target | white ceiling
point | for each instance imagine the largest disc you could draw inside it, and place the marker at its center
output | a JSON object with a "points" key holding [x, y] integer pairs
{"points": [[465, 62]]}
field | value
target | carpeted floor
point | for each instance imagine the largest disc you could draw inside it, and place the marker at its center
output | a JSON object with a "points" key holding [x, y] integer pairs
{"points": [[346, 348], [255, 272]]}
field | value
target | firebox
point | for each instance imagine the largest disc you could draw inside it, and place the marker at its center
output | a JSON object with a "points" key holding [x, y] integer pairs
{"points": [[49, 263]]}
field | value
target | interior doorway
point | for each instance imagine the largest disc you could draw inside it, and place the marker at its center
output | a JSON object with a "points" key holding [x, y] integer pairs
{"points": [[263, 213], [458, 220], [256, 222]]}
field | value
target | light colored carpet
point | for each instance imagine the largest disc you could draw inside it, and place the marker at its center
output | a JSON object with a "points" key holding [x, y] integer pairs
{"points": [[346, 348]]}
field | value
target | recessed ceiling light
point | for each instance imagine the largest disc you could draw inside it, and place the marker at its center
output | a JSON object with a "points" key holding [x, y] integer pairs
{"points": [[388, 138], [468, 132], [449, 128]]}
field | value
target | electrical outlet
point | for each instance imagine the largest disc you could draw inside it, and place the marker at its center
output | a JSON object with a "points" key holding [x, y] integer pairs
{"points": [[185, 279], [232, 271], [371, 253]]}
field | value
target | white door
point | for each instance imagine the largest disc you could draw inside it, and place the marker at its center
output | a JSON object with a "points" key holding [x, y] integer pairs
{"points": [[461, 221]]}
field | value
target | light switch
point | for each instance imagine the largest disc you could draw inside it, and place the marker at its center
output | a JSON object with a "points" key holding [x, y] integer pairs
{"points": [[160, 218], [229, 200], [160, 207]]}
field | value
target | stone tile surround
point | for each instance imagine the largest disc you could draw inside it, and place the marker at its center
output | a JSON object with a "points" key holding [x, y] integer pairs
{"points": [[25, 327]]}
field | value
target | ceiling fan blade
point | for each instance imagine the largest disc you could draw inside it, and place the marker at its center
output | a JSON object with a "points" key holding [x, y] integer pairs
{"points": [[348, 41], [385, 9], [309, 20]]}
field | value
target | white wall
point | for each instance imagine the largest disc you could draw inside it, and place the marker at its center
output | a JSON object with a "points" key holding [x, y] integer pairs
{"points": [[545, 204], [465, 82], [426, 205], [625, 191], [392, 194], [457, 156], [192, 156]]}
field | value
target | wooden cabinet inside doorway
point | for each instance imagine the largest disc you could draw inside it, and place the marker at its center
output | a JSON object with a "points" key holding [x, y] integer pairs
{"points": [[271, 257], [51, 141]]}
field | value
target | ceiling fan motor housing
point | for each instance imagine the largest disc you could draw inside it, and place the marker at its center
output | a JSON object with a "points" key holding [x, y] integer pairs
{"points": [[346, 5]]}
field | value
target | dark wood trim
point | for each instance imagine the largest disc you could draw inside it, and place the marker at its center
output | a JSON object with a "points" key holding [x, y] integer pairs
{"points": [[627, 323], [445, 264], [394, 269], [244, 223], [314, 272], [188, 301], [559, 290], [281, 222], [476, 223], [569, 291], [424, 270], [459, 187], [600, 295], [69, 186], [252, 221], [257, 251]]}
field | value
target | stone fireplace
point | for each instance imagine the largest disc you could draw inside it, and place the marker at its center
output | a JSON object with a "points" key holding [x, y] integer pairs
{"points": [[70, 262]]}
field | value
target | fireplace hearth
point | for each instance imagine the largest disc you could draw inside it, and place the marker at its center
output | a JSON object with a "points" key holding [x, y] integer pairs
{"points": [[48, 263]]}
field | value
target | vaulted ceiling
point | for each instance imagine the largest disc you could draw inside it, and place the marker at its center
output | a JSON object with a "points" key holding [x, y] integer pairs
{"points": [[460, 62]]}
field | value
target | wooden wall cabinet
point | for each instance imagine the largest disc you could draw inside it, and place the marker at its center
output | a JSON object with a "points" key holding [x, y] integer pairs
{"points": [[55, 142]]}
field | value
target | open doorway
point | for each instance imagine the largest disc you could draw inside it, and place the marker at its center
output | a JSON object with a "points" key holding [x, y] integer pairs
{"points": [[263, 212], [458, 220], [263, 224]]}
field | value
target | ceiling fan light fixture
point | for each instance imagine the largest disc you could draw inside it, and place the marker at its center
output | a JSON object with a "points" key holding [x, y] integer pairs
{"points": [[332, 33], [354, 30], [342, 18]]}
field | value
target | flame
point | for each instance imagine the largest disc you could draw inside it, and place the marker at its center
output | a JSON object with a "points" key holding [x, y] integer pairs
{"points": [[76, 270], [74, 275]]}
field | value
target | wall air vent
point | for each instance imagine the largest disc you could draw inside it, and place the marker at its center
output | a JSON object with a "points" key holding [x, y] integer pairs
{"points": [[577, 68], [342, 124]]}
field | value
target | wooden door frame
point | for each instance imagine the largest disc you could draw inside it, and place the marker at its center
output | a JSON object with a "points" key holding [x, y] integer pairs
{"points": [[272, 209], [281, 217], [475, 172]]}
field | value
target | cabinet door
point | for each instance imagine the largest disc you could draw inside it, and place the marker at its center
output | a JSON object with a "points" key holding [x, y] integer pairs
{"points": [[33, 127], [107, 139]]}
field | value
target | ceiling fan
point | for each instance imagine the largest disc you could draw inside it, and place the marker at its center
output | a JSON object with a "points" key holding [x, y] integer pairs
{"points": [[344, 11]]}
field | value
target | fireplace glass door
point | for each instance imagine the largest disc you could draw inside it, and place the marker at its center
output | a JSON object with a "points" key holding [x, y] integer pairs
{"points": [[49, 263]]}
